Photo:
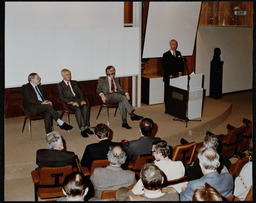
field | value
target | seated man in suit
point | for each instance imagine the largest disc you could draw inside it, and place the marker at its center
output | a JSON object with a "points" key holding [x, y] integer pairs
{"points": [[36, 102], [209, 162], [54, 156], [149, 187], [70, 93], [113, 176], [194, 171], [110, 90], [98, 151], [144, 144]]}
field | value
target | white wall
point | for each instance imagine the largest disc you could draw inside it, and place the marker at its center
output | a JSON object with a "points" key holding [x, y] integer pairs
{"points": [[236, 44], [47, 37]]}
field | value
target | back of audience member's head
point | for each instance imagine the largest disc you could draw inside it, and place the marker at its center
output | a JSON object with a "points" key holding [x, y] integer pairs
{"points": [[101, 130], [152, 177], [54, 140], [146, 126], [75, 185], [116, 155], [208, 158], [206, 193], [211, 141], [161, 146]]}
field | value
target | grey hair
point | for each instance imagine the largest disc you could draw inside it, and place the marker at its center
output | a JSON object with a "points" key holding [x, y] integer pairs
{"points": [[53, 139], [64, 70], [31, 76], [211, 141], [209, 158], [114, 158]]}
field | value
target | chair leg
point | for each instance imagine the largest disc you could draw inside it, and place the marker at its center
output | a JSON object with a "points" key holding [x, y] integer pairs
{"points": [[62, 113], [107, 115], [68, 117], [99, 112], [29, 129], [115, 111], [25, 119], [35, 191]]}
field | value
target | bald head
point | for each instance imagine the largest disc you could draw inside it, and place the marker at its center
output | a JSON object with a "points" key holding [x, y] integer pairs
{"points": [[173, 45], [116, 156], [66, 74]]}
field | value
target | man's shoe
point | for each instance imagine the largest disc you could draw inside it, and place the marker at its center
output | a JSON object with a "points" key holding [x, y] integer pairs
{"points": [[84, 134], [125, 125], [65, 126], [87, 130], [136, 117]]}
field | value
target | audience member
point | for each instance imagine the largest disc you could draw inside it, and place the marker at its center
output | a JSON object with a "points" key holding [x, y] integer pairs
{"points": [[70, 93], [54, 156], [209, 162], [243, 181], [149, 187], [144, 144], [110, 90], [194, 171], [206, 193], [98, 151], [172, 169], [113, 176], [75, 187], [36, 102]]}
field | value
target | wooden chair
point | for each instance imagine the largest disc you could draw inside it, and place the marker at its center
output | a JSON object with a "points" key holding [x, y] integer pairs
{"points": [[95, 164], [237, 167], [49, 183], [30, 118], [68, 111], [107, 105], [141, 160], [111, 194], [229, 142], [184, 152], [247, 135]]}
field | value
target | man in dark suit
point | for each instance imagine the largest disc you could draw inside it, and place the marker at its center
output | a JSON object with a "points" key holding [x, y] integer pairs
{"points": [[173, 66], [144, 144], [209, 162], [70, 93], [54, 156], [36, 102], [110, 90], [98, 151]]}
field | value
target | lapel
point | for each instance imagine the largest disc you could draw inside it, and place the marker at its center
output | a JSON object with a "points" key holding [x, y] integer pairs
{"points": [[67, 89], [32, 90]]}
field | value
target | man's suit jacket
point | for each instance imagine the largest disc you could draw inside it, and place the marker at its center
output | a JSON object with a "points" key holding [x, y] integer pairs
{"points": [[66, 95], [141, 146], [96, 151], [54, 158], [172, 65], [29, 98], [103, 86], [221, 182], [111, 178]]}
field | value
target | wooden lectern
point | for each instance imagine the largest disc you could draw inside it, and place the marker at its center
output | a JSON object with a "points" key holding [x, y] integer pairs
{"points": [[186, 102]]}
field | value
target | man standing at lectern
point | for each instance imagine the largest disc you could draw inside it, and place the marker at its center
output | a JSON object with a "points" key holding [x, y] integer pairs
{"points": [[173, 66]]}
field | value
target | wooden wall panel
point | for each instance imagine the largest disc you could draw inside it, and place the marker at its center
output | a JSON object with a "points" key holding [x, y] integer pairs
{"points": [[222, 13], [128, 11]]}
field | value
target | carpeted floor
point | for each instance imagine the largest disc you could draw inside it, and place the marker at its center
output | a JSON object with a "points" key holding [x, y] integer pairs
{"points": [[20, 150]]}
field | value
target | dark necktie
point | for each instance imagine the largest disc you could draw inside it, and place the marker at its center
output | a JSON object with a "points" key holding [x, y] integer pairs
{"points": [[38, 91], [112, 85], [70, 88]]}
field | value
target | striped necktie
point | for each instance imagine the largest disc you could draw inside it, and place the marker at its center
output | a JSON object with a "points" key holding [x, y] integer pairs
{"points": [[38, 91]]}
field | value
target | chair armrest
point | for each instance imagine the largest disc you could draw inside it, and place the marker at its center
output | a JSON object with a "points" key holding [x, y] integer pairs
{"points": [[85, 170], [35, 176]]}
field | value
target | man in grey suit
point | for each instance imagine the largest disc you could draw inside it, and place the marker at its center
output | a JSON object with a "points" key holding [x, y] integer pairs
{"points": [[209, 162], [70, 93], [113, 176], [110, 90], [36, 102]]}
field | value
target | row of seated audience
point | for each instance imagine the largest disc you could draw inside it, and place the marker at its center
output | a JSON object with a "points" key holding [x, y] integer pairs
{"points": [[208, 176]]}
